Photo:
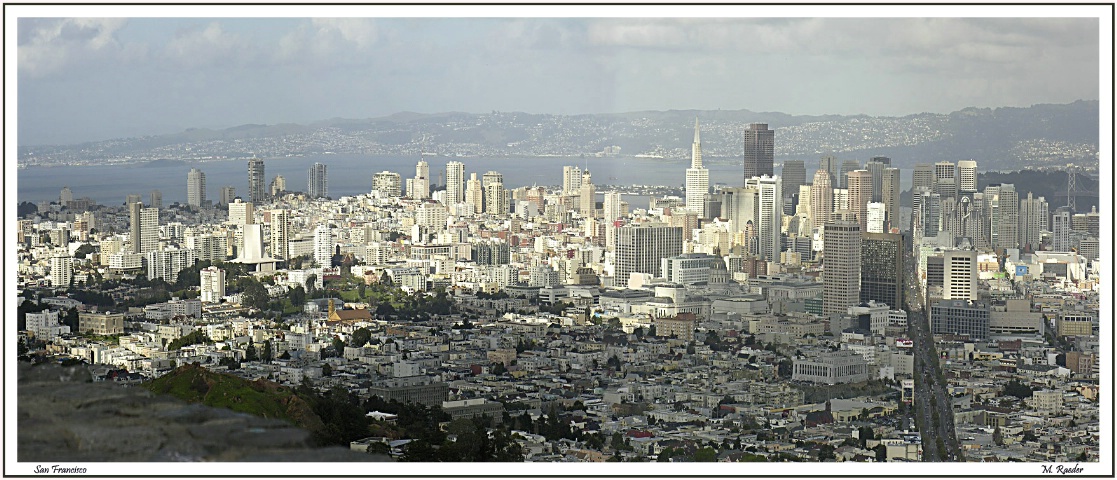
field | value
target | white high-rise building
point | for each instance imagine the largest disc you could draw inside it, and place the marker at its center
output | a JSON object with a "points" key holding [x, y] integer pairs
{"points": [[386, 183], [1033, 220], [167, 263], [1061, 226], [66, 196], [323, 246], [967, 176], [475, 193], [455, 183], [61, 271], [280, 234], [419, 188], [571, 180], [144, 228], [876, 215], [195, 187], [241, 213], [212, 284], [960, 275], [641, 248], [612, 207], [587, 196], [860, 186], [496, 200], [697, 178], [317, 183], [769, 216]]}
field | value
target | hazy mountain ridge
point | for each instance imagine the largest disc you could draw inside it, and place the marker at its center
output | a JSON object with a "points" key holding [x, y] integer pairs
{"points": [[1002, 138]]}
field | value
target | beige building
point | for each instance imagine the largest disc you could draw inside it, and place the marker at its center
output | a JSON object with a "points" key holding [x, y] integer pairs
{"points": [[101, 323]]}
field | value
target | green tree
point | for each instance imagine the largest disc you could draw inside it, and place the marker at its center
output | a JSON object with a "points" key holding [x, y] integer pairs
{"points": [[297, 296], [881, 453], [266, 356], [706, 454], [83, 250], [250, 353], [360, 337], [327, 370]]}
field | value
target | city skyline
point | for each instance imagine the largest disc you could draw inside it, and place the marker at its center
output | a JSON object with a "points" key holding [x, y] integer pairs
{"points": [[252, 62]]}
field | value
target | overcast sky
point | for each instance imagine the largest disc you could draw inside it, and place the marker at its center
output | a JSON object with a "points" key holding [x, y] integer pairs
{"points": [[94, 79]]}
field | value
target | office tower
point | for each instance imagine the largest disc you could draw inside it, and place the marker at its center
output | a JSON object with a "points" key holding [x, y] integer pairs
{"points": [[195, 188], [860, 186], [843, 175], [156, 198], [967, 176], [923, 175], [759, 150], [794, 175], [875, 213], [212, 284], [1033, 220], [587, 198], [960, 275], [228, 193], [323, 246], [640, 248], [1004, 215], [1061, 226], [387, 184], [496, 200], [697, 178], [612, 206], [475, 193], [317, 182], [419, 188], [946, 180], [132, 198], [822, 199], [61, 271], [241, 213], [571, 180], [769, 218], [144, 227], [66, 196], [876, 166], [455, 183], [882, 269], [256, 192], [280, 234], [277, 186], [830, 165], [841, 270], [960, 317], [890, 197], [930, 214]]}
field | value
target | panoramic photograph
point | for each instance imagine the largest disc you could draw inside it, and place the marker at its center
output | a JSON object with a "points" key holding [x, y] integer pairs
{"points": [[294, 240]]}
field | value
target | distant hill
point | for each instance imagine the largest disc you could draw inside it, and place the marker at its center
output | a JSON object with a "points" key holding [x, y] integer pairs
{"points": [[1007, 138]]}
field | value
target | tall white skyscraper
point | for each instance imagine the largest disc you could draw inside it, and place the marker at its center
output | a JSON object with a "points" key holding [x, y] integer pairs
{"points": [[587, 196], [317, 183], [195, 187], [697, 178], [860, 186], [280, 234], [323, 246], [1004, 216], [241, 213], [1033, 220], [612, 206], [769, 216], [967, 176], [455, 183], [419, 188], [475, 193], [61, 271], [496, 200], [1061, 226], [144, 227], [571, 180]]}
